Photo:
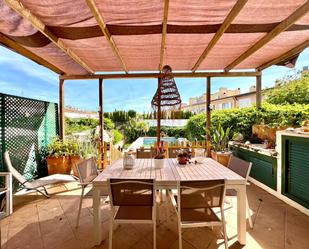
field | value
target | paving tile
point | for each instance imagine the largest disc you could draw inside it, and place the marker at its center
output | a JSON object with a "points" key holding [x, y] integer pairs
{"points": [[297, 232], [185, 245], [24, 237], [38, 222], [70, 244], [125, 237], [142, 244], [199, 237]]}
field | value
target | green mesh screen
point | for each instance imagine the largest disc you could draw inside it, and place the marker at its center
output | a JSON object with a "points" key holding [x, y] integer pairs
{"points": [[27, 125]]}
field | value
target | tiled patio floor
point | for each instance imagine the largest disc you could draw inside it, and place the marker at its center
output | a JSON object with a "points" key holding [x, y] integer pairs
{"points": [[50, 224]]}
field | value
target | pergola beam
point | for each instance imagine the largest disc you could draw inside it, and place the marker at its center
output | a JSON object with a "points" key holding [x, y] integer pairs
{"points": [[164, 31], [158, 75], [14, 46], [284, 25], [258, 87], [208, 114], [18, 7], [61, 108], [227, 22], [101, 122], [284, 56], [96, 13]]}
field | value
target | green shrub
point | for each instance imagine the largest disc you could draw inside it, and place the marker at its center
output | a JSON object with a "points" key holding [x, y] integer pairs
{"points": [[195, 127], [82, 124], [169, 131], [134, 128], [117, 136], [290, 90], [242, 120], [108, 124]]}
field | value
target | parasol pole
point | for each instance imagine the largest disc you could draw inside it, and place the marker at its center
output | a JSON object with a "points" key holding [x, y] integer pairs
{"points": [[159, 113]]}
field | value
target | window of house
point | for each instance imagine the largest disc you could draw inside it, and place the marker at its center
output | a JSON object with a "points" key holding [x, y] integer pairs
{"points": [[245, 103], [226, 105]]}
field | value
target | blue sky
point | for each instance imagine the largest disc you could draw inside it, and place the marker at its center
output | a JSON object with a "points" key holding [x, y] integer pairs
{"points": [[22, 77]]}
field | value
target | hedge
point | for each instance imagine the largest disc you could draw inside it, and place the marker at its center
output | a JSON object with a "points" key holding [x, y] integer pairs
{"points": [[242, 119], [169, 131]]}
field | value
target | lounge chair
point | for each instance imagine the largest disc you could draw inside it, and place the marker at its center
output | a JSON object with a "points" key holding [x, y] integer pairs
{"points": [[38, 184]]}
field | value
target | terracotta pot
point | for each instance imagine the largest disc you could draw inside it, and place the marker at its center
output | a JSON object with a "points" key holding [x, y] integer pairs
{"points": [[58, 165], [182, 160], [73, 161], [221, 157], [265, 132]]}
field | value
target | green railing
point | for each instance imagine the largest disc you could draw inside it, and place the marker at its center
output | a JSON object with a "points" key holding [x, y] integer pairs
{"points": [[26, 126]]}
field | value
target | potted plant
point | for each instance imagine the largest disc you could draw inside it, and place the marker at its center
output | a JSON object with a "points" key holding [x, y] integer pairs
{"points": [[219, 142], [159, 157], [183, 157], [74, 154], [58, 161], [61, 156]]}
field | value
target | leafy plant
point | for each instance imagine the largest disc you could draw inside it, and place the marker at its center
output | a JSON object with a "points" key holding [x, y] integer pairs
{"points": [[219, 138], [117, 136], [242, 120], [290, 90], [160, 153], [135, 128], [58, 148], [169, 131]]}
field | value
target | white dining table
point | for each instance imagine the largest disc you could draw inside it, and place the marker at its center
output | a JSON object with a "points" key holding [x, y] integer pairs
{"points": [[167, 178]]}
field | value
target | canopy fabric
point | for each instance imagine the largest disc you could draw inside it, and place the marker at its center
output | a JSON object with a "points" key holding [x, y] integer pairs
{"points": [[134, 33]]}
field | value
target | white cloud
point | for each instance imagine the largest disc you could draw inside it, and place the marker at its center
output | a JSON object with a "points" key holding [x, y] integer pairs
{"points": [[27, 66]]}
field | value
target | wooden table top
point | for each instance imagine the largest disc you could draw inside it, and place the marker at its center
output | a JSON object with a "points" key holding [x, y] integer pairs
{"points": [[170, 173]]}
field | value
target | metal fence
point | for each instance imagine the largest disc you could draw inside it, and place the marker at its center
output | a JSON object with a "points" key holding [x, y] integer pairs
{"points": [[26, 126]]}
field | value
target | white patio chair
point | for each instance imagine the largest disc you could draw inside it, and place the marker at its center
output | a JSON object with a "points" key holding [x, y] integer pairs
{"points": [[242, 168], [87, 171], [135, 201], [38, 184], [194, 205]]}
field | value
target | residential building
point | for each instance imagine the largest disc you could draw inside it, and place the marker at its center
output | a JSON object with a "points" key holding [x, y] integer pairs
{"points": [[71, 112], [223, 99]]}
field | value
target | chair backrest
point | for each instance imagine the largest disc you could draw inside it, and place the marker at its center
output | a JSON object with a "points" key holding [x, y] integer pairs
{"points": [[144, 153], [201, 194], [131, 192], [239, 166], [173, 152], [19, 177], [87, 170]]}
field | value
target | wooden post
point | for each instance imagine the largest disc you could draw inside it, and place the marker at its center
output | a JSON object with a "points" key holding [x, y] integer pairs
{"points": [[101, 120], [208, 114], [159, 113], [258, 88], [61, 108]]}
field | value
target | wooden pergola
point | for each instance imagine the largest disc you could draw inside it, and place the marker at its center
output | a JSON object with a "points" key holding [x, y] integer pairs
{"points": [[92, 40]]}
